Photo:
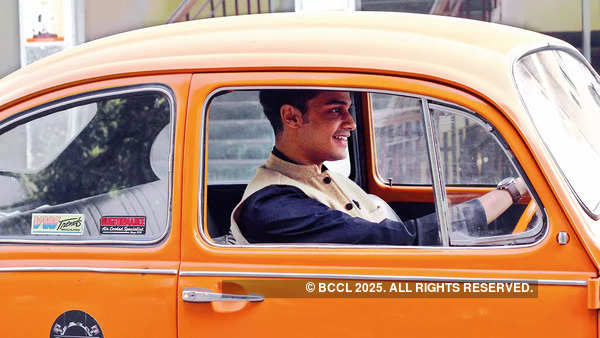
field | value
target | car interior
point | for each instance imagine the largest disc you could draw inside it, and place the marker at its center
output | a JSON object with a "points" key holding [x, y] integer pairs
{"points": [[223, 194]]}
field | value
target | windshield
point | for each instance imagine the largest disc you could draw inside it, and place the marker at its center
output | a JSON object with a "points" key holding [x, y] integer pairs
{"points": [[562, 96]]}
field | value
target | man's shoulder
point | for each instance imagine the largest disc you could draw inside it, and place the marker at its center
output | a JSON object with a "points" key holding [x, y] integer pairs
{"points": [[265, 177]]}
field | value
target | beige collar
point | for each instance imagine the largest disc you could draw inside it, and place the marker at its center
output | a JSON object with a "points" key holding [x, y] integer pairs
{"points": [[296, 171]]}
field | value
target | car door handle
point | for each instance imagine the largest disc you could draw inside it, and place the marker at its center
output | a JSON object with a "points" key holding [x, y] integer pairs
{"points": [[195, 295]]}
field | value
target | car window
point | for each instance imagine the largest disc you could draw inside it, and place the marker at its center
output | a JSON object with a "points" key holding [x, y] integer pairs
{"points": [[410, 134], [43, 148], [401, 145], [472, 155], [97, 170], [240, 139]]}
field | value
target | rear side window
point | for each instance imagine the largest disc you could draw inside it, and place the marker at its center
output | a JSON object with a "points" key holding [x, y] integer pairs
{"points": [[95, 170]]}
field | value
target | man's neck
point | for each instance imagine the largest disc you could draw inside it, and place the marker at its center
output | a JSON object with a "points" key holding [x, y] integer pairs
{"points": [[284, 157]]}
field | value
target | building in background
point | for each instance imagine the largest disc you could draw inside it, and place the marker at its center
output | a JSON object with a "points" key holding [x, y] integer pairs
{"points": [[48, 26]]}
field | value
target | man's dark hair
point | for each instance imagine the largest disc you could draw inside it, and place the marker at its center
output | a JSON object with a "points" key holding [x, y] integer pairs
{"points": [[273, 99]]}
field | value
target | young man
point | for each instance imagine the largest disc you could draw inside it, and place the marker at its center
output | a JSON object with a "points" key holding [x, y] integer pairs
{"points": [[294, 198]]}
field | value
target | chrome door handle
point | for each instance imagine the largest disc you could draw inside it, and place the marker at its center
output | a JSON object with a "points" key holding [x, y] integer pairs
{"points": [[195, 295]]}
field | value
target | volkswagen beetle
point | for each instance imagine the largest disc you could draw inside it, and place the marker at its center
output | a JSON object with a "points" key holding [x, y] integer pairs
{"points": [[121, 161]]}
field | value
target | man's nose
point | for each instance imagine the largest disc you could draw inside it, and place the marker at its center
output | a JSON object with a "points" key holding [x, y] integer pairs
{"points": [[349, 122]]}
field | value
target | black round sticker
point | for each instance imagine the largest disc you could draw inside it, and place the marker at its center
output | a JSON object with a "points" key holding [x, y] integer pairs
{"points": [[75, 324]]}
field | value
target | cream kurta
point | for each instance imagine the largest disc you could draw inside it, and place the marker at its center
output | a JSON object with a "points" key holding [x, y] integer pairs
{"points": [[329, 188]]}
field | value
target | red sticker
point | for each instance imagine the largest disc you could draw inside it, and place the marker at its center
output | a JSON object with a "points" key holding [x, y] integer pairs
{"points": [[123, 225]]}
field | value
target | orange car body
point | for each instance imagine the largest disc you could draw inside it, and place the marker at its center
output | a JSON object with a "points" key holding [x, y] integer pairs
{"points": [[136, 290]]}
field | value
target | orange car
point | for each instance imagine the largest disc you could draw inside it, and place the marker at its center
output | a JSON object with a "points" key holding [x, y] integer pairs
{"points": [[121, 161]]}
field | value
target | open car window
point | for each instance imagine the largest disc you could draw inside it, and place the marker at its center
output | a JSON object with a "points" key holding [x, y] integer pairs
{"points": [[95, 171], [240, 139], [415, 139]]}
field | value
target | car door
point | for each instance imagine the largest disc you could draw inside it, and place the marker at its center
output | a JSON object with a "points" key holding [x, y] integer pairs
{"points": [[89, 223], [398, 154]]}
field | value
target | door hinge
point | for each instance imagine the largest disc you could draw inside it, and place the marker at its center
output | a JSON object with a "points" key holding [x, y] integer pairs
{"points": [[593, 293]]}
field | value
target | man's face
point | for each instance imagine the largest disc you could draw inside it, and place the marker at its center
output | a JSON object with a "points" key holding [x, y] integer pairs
{"points": [[327, 123]]}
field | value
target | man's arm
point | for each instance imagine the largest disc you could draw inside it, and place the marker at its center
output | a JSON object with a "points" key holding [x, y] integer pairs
{"points": [[496, 202], [285, 214]]}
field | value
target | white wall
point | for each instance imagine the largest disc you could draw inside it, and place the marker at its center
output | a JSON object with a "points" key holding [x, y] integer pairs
{"points": [[546, 15], [108, 17], [102, 18]]}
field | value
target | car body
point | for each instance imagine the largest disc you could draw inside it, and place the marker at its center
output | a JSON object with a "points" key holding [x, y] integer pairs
{"points": [[159, 138]]}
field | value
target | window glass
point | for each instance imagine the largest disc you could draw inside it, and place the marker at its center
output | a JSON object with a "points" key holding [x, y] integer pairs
{"points": [[400, 140], [94, 171], [469, 152], [471, 155], [240, 139], [562, 97]]}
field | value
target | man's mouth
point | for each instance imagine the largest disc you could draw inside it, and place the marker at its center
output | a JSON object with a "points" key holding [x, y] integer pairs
{"points": [[341, 138]]}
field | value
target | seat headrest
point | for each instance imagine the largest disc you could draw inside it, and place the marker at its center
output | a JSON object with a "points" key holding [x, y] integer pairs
{"points": [[159, 153]]}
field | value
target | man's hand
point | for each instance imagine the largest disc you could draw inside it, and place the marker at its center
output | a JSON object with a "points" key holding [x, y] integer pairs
{"points": [[520, 183]]}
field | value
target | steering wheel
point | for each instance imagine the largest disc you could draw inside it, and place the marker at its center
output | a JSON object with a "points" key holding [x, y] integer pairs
{"points": [[526, 217]]}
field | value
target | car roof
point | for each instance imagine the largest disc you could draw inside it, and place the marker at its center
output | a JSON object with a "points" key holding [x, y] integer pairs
{"points": [[467, 53]]}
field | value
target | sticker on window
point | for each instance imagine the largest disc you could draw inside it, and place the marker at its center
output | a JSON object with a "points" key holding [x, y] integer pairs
{"points": [[57, 224], [123, 225]]}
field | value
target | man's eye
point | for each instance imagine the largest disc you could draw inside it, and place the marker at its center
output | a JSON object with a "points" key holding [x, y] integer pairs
{"points": [[336, 110]]}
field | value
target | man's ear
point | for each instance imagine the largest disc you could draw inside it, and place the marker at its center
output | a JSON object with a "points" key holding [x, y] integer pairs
{"points": [[290, 116]]}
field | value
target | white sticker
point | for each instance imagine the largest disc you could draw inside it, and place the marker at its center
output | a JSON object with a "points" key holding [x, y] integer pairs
{"points": [[57, 224]]}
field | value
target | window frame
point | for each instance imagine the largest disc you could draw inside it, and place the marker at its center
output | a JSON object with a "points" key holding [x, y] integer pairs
{"points": [[366, 106], [67, 102]]}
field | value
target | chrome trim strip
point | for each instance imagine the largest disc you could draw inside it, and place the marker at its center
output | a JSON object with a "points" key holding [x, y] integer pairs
{"points": [[203, 164], [440, 199], [89, 269], [375, 277], [141, 88]]}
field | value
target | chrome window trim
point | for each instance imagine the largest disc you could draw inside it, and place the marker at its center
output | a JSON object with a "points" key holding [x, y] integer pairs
{"points": [[517, 55], [439, 182], [202, 174], [109, 92], [89, 269], [194, 273]]}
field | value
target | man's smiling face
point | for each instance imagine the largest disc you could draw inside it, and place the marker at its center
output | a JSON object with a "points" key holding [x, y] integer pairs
{"points": [[326, 127]]}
